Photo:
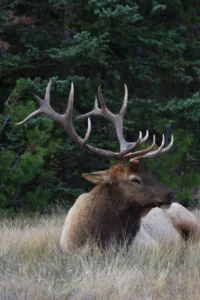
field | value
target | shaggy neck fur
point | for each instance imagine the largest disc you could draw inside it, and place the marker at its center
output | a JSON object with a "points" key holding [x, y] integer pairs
{"points": [[115, 217]]}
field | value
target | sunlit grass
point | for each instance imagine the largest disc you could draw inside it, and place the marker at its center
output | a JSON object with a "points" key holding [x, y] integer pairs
{"points": [[32, 266]]}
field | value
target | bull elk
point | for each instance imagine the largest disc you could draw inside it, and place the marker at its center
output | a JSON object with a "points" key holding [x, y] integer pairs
{"points": [[123, 193]]}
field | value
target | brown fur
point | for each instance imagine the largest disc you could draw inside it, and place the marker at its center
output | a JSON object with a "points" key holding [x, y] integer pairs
{"points": [[113, 209]]}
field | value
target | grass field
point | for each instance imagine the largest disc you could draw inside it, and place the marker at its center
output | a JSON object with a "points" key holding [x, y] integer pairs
{"points": [[33, 267]]}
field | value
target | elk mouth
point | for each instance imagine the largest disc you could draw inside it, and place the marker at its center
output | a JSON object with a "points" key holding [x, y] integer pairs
{"points": [[170, 199], [163, 205]]}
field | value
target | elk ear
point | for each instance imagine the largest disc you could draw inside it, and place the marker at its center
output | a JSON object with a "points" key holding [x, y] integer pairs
{"points": [[100, 177]]}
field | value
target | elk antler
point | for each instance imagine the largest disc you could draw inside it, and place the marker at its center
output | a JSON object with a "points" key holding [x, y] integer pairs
{"points": [[66, 121], [117, 121]]}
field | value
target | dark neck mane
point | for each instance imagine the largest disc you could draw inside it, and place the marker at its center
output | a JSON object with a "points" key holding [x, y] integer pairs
{"points": [[114, 217]]}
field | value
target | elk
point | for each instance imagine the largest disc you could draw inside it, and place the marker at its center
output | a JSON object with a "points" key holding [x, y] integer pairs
{"points": [[112, 210]]}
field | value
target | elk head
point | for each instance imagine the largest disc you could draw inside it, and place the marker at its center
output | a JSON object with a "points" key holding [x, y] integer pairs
{"points": [[129, 186]]}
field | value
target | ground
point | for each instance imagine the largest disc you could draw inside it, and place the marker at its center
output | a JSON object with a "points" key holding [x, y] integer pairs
{"points": [[32, 266]]}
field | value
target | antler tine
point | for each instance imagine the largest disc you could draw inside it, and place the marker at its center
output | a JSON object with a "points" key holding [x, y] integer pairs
{"points": [[37, 112], [152, 153], [96, 103], [124, 105], [70, 105], [95, 112], [169, 146], [87, 135], [39, 100], [159, 151], [47, 93], [101, 99], [145, 137]]}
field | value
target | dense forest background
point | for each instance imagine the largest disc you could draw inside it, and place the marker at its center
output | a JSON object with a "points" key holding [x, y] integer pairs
{"points": [[152, 46]]}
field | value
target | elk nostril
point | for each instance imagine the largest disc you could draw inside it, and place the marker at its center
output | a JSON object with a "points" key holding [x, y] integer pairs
{"points": [[172, 196]]}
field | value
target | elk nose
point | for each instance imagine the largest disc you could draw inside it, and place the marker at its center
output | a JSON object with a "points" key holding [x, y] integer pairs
{"points": [[171, 197]]}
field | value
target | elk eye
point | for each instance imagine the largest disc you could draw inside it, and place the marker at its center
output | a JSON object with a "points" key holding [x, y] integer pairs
{"points": [[136, 180]]}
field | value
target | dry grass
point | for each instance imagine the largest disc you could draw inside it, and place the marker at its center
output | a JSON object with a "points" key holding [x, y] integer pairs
{"points": [[32, 266]]}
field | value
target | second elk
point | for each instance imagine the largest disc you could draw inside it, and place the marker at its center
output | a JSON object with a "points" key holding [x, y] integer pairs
{"points": [[113, 209]]}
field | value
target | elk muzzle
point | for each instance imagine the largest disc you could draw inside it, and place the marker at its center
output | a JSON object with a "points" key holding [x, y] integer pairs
{"points": [[168, 199]]}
